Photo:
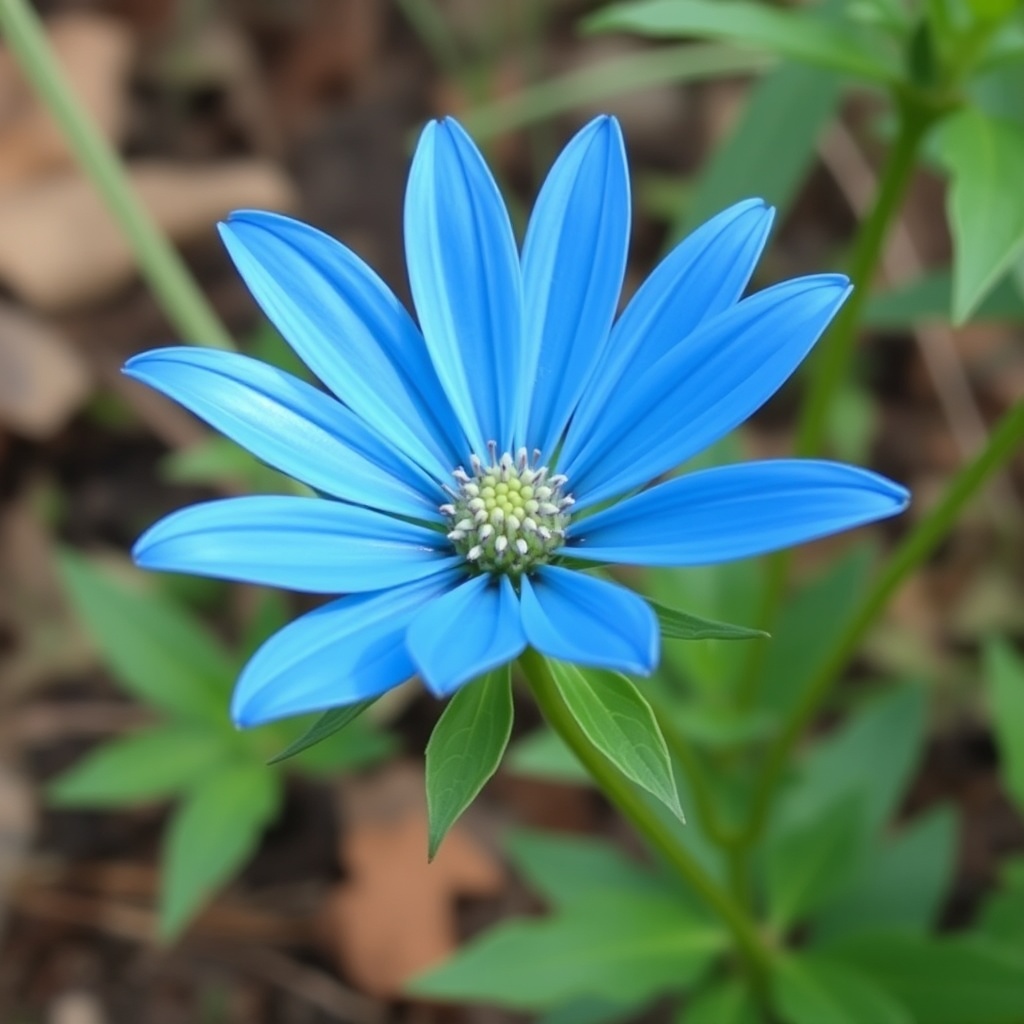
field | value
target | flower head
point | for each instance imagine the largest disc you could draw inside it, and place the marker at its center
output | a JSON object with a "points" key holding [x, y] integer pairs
{"points": [[468, 465]]}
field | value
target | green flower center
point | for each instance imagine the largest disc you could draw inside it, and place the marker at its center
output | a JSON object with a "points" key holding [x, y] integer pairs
{"points": [[509, 516]]}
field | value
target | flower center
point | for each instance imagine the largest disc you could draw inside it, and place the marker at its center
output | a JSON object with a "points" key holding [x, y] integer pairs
{"points": [[510, 515]]}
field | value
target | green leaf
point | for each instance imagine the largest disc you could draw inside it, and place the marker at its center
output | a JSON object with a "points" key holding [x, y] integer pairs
{"points": [[940, 980], [809, 627], [1004, 679], [769, 152], [211, 835], [156, 650], [677, 625], [725, 1002], [623, 950], [585, 1011], [609, 79], [568, 870], [721, 727], [619, 722], [149, 765], [901, 883], [326, 725], [542, 754], [1002, 915], [872, 756], [930, 296], [807, 864], [811, 989], [793, 34], [465, 750], [985, 205]]}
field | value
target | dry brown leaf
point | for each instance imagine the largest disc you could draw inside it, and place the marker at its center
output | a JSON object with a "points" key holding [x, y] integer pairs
{"points": [[96, 53], [61, 248], [43, 379], [394, 917]]}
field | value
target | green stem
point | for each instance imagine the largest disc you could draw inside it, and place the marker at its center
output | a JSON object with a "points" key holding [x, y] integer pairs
{"points": [[647, 822], [918, 545], [830, 362], [180, 298]]}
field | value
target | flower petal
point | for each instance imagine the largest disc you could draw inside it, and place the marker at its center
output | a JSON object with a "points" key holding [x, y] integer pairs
{"points": [[306, 544], [464, 274], [716, 515], [574, 259], [701, 277], [467, 632], [346, 651], [575, 617], [704, 387], [349, 329], [292, 426]]}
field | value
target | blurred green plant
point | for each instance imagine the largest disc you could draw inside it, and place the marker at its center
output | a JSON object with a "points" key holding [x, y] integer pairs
{"points": [[225, 794]]}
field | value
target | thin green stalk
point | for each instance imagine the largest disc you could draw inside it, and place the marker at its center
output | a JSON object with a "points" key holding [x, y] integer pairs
{"points": [[922, 540], [179, 296], [653, 828], [830, 362]]}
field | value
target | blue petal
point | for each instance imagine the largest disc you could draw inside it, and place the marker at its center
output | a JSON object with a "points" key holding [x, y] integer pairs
{"points": [[574, 259], [467, 632], [307, 544], [464, 274], [290, 425], [350, 330], [730, 512], [346, 651], [574, 617], [703, 276], [705, 387]]}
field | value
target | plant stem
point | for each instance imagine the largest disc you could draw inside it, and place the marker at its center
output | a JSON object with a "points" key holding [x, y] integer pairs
{"points": [[922, 540], [174, 288], [830, 362], [650, 825]]}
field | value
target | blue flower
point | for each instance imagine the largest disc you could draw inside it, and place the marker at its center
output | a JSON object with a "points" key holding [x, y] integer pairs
{"points": [[467, 467]]}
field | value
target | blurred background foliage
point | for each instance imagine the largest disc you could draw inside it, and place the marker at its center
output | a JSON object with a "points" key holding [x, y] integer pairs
{"points": [[154, 867]]}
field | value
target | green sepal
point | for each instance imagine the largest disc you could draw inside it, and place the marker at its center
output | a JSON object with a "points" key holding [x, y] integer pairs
{"points": [[677, 625], [326, 725], [465, 750]]}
